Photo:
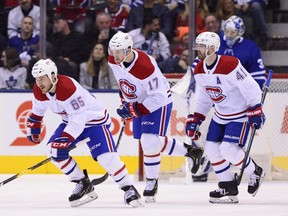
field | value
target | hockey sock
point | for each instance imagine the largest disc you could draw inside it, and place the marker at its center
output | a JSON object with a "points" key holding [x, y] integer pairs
{"points": [[235, 155], [151, 148], [171, 146], [70, 168], [116, 168]]}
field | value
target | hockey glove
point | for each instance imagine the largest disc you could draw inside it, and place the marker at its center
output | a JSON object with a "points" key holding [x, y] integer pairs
{"points": [[60, 148], [193, 123], [132, 109], [33, 128], [256, 117]]}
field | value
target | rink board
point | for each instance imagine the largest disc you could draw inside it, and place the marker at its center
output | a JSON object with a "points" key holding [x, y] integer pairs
{"points": [[17, 153]]}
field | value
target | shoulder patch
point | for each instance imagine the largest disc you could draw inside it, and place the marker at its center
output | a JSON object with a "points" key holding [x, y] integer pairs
{"points": [[64, 88], [226, 64], [143, 67], [38, 94]]}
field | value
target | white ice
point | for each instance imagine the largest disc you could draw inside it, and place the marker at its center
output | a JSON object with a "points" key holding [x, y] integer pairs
{"points": [[47, 195]]}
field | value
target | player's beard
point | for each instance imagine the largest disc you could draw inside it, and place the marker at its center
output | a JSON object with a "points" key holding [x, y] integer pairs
{"points": [[201, 56]]}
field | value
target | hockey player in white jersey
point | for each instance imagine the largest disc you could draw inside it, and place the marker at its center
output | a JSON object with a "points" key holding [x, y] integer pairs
{"points": [[148, 100], [224, 82], [83, 116]]}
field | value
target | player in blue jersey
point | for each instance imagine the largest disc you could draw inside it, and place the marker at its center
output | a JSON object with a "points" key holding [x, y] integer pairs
{"points": [[247, 51]]}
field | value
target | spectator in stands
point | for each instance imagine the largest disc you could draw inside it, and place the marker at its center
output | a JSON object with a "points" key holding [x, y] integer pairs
{"points": [[102, 33], [25, 41], [15, 16], [175, 64], [96, 73], [62, 65], [148, 9], [182, 33], [67, 43], [160, 49], [3, 45], [74, 10], [232, 43], [119, 14], [212, 24], [224, 10], [201, 11], [12, 74], [255, 9]]}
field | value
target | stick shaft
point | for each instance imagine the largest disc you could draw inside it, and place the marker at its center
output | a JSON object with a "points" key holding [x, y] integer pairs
{"points": [[247, 153]]}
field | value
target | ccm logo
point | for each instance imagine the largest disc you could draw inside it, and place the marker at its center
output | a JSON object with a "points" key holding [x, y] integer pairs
{"points": [[60, 145]]}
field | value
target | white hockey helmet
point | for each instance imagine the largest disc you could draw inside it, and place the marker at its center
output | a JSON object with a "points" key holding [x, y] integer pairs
{"points": [[44, 67], [208, 39], [120, 41], [236, 25]]}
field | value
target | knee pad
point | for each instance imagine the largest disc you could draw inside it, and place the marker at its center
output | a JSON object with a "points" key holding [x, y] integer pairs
{"points": [[212, 150], [231, 152], [151, 143]]}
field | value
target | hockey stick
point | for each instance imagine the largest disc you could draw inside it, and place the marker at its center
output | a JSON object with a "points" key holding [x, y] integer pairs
{"points": [[25, 171], [266, 88], [104, 177], [29, 169]]}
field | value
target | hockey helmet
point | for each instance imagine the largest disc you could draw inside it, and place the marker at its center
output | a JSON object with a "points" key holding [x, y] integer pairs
{"points": [[44, 67], [234, 28], [208, 39], [120, 41]]}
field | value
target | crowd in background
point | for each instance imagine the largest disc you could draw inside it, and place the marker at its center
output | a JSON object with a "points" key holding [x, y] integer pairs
{"points": [[78, 33]]}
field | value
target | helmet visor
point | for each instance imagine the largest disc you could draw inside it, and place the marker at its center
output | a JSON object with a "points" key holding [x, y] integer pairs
{"points": [[116, 53]]}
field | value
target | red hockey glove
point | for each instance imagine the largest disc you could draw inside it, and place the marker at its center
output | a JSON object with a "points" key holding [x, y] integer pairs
{"points": [[193, 123], [33, 128], [256, 117]]}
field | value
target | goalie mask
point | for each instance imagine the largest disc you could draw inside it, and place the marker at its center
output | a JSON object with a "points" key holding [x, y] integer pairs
{"points": [[45, 67], [234, 28]]}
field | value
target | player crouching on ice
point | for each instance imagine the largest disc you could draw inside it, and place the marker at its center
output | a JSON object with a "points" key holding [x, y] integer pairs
{"points": [[83, 116], [146, 98], [223, 81]]}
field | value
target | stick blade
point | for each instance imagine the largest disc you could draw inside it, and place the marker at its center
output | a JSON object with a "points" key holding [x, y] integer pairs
{"points": [[100, 180]]}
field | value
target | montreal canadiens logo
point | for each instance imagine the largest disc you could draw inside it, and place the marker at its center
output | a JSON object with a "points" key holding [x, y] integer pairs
{"points": [[215, 93], [127, 89]]}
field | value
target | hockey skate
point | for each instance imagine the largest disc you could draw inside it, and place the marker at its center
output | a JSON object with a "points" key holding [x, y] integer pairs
{"points": [[194, 155], [226, 193], [151, 190], [83, 192], [132, 197], [255, 180]]}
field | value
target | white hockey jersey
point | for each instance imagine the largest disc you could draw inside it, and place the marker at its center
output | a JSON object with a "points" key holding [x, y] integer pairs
{"points": [[14, 78], [142, 81], [228, 86], [76, 106]]}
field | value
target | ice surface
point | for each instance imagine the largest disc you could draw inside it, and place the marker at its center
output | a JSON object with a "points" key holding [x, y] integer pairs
{"points": [[47, 195]]}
